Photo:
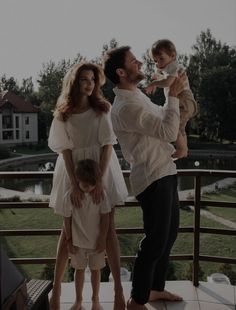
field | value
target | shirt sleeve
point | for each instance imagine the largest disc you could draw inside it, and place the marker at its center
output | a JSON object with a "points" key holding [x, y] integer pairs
{"points": [[141, 119], [59, 139], [106, 134]]}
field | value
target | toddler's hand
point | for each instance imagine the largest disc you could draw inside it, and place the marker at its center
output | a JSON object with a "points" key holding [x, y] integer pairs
{"points": [[150, 89]]}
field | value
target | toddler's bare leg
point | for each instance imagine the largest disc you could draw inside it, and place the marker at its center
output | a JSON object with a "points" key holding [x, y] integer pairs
{"points": [[95, 281]]}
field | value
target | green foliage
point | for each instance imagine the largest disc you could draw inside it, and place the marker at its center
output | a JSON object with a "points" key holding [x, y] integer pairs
{"points": [[170, 275], [188, 273], [48, 272], [229, 272]]}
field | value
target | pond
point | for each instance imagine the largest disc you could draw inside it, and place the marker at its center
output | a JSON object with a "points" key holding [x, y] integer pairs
{"points": [[44, 187]]}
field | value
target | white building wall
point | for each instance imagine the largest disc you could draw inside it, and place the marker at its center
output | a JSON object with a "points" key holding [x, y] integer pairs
{"points": [[28, 129]]}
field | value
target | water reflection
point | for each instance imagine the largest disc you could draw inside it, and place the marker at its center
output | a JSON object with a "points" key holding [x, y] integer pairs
{"points": [[44, 187]]}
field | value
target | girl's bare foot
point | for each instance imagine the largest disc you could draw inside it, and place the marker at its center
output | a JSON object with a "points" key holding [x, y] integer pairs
{"points": [[164, 295], [96, 305]]}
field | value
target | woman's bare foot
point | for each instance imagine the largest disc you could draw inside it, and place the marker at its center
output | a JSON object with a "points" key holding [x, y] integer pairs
{"points": [[119, 302], [163, 295], [76, 306], [54, 301], [132, 305]]}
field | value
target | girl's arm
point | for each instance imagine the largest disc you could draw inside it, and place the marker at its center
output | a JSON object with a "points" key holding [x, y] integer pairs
{"points": [[68, 231], [104, 225], [76, 194], [97, 193]]}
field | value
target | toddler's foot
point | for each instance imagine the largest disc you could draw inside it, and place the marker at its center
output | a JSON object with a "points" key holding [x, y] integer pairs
{"points": [[164, 295], [132, 305], [180, 153]]}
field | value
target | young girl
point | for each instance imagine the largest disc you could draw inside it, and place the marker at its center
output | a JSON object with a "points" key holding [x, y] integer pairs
{"points": [[86, 232], [163, 52], [82, 129]]}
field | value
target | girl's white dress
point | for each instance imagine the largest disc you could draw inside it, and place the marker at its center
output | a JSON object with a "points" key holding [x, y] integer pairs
{"points": [[85, 134]]}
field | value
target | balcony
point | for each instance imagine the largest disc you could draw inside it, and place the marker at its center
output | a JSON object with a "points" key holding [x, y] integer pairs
{"points": [[196, 294]]}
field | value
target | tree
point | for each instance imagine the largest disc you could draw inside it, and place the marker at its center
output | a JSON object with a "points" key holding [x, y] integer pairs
{"points": [[188, 273], [211, 73], [50, 83], [9, 84]]}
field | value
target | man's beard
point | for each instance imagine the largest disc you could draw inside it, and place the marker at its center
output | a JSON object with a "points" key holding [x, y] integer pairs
{"points": [[134, 79]]}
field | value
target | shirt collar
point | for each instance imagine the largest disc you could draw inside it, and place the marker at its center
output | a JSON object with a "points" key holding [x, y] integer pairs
{"points": [[126, 92]]}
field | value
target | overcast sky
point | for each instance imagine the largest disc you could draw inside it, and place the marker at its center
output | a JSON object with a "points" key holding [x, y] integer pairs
{"points": [[32, 32]]}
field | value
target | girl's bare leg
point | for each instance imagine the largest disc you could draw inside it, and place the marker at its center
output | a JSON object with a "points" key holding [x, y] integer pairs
{"points": [[79, 284], [113, 255], [95, 281], [60, 267]]}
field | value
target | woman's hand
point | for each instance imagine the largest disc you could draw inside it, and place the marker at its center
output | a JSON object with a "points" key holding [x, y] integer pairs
{"points": [[98, 193], [76, 196]]}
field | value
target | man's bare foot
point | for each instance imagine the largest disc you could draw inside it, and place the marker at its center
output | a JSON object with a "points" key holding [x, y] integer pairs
{"points": [[164, 295], [132, 305], [119, 302]]}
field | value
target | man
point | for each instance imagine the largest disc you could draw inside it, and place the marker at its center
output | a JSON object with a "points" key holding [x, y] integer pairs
{"points": [[144, 131]]}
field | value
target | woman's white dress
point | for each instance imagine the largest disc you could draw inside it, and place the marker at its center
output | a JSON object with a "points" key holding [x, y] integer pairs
{"points": [[85, 134]]}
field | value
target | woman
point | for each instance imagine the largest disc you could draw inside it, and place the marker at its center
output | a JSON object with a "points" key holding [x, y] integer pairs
{"points": [[82, 129]]}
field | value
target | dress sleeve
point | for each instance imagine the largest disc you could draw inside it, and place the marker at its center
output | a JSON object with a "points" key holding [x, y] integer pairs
{"points": [[59, 139], [106, 134]]}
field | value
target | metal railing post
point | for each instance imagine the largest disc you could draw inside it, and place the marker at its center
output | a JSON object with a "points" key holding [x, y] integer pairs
{"points": [[196, 247]]}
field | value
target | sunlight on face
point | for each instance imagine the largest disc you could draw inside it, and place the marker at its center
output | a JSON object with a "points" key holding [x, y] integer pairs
{"points": [[86, 82]]}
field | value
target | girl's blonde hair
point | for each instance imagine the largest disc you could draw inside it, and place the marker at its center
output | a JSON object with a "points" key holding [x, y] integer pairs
{"points": [[68, 98]]}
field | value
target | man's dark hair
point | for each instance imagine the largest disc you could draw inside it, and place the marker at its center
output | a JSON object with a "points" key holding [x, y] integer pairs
{"points": [[88, 170], [115, 59]]}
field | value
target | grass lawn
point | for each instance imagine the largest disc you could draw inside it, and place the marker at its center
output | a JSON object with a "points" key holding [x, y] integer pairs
{"points": [[228, 195], [45, 246]]}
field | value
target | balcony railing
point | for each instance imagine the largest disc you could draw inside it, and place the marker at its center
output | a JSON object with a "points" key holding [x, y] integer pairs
{"points": [[196, 229]]}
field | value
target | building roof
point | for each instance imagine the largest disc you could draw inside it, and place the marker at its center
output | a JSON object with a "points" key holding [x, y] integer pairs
{"points": [[19, 104]]}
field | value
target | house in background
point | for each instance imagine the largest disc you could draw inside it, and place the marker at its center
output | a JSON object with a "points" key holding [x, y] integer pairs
{"points": [[18, 120]]}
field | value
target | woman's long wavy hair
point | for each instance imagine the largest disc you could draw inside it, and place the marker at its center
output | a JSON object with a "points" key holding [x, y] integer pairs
{"points": [[68, 98]]}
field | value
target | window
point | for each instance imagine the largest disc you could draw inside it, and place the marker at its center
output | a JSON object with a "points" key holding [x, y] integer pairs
{"points": [[27, 135], [17, 134], [6, 121], [7, 135], [27, 120], [17, 121]]}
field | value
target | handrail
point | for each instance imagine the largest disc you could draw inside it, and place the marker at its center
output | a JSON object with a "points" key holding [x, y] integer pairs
{"points": [[197, 202]]}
